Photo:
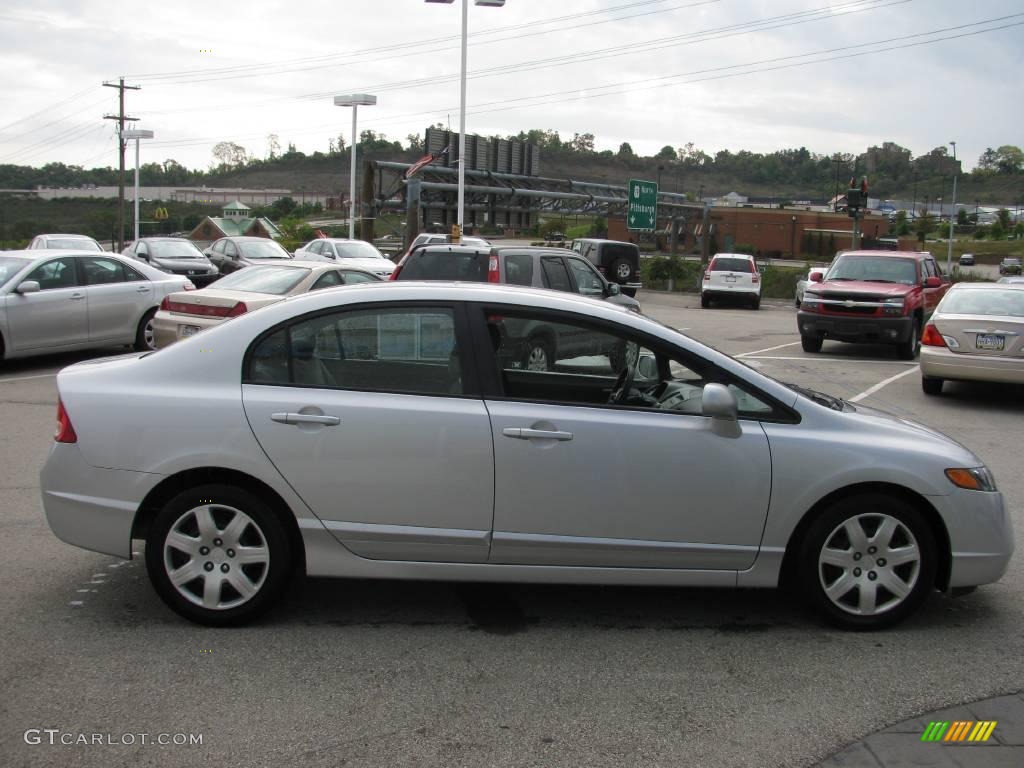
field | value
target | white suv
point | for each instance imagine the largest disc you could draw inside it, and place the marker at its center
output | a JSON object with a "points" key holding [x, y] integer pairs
{"points": [[731, 275]]}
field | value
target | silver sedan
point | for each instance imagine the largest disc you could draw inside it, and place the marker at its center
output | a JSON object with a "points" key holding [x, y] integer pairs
{"points": [[389, 430], [64, 300]]}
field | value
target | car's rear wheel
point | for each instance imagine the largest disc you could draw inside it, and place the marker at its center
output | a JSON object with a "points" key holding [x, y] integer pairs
{"points": [[868, 561], [539, 356], [144, 339], [705, 302], [622, 270], [908, 349], [811, 343], [218, 555], [931, 385], [756, 303]]}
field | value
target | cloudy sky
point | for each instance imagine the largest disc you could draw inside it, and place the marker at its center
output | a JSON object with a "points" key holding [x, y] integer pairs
{"points": [[762, 75]]}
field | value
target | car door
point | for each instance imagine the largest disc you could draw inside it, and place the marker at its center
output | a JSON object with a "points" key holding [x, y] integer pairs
{"points": [[118, 297], [54, 316], [932, 296], [215, 254], [232, 260], [373, 416], [586, 279], [653, 484]]}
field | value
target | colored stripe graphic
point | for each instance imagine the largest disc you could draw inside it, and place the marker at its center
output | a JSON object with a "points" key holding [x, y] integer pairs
{"points": [[934, 731], [959, 730]]}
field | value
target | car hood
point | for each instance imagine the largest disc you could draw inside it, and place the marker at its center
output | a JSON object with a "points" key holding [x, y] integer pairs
{"points": [[887, 422], [860, 287], [377, 266]]}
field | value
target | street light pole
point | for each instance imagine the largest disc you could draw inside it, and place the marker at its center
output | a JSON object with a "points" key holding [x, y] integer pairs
{"points": [[137, 134], [353, 100], [461, 212], [949, 253]]}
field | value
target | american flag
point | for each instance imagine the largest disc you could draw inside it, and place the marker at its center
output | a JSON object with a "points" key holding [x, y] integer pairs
{"points": [[425, 160]]}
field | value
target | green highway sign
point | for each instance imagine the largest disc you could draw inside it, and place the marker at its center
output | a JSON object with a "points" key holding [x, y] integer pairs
{"points": [[643, 205]]}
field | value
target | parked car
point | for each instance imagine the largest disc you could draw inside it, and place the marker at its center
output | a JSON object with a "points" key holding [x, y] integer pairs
{"points": [[454, 465], [1012, 280], [430, 238], [556, 268], [803, 282], [230, 254], [1010, 266], [975, 334], [966, 260], [731, 276], [175, 256], [353, 253], [881, 297], [185, 314], [60, 301], [618, 261], [64, 242]]}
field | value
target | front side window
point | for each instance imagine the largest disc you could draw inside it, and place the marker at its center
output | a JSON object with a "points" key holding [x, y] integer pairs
{"points": [[402, 350], [588, 282], [230, 250], [547, 358], [58, 273]]}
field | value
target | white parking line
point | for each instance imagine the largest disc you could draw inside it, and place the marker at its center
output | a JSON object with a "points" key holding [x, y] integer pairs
{"points": [[26, 378], [871, 390], [769, 349], [831, 360]]}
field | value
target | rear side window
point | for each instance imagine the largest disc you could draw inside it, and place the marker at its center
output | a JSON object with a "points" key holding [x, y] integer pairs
{"points": [[519, 269], [555, 276], [728, 264], [446, 265]]}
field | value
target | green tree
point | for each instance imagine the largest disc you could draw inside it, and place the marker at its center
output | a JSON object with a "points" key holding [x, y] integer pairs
{"points": [[962, 217], [1009, 159], [666, 153], [902, 225], [1004, 219], [582, 143], [924, 224], [997, 231], [625, 150]]}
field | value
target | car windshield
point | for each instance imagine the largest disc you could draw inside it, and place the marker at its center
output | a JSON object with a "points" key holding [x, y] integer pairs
{"points": [[470, 266], [266, 249], [1012, 262], [725, 264], [82, 243], [357, 250], [885, 269], [174, 249], [8, 267], [1004, 302], [276, 281]]}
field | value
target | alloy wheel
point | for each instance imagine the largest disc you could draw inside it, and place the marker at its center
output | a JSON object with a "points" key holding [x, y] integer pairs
{"points": [[538, 359]]}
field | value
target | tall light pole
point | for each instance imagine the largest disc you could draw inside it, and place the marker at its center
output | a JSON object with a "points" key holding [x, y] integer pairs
{"points": [[354, 100], [949, 253], [461, 212], [137, 134]]}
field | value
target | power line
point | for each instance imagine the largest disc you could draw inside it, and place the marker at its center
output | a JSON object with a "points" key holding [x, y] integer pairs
{"points": [[49, 108]]}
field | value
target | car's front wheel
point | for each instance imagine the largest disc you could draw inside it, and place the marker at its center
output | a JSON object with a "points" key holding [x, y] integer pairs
{"points": [[811, 343], [868, 561], [218, 555], [908, 349]]}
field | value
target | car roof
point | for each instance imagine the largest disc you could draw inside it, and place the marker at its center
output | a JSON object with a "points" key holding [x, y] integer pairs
{"points": [[895, 254], [247, 237], [58, 234], [452, 248], [733, 255], [50, 253], [979, 286]]}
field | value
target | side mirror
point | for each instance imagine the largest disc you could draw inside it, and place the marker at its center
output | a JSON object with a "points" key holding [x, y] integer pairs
{"points": [[613, 289], [933, 282], [817, 277], [719, 403], [29, 286]]}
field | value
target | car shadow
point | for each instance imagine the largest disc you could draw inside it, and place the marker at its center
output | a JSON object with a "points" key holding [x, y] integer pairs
{"points": [[42, 364]]}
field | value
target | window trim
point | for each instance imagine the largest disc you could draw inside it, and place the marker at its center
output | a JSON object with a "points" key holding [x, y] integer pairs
{"points": [[471, 388], [492, 389]]}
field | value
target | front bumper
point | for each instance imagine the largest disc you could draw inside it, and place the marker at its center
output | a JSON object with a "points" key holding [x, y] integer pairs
{"points": [[980, 536], [91, 507], [941, 363], [886, 330]]}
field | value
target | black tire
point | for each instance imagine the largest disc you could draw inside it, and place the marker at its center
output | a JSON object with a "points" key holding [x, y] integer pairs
{"points": [[931, 385], [756, 303], [908, 349], [860, 512], [539, 355], [621, 271], [811, 343], [705, 302], [144, 334], [263, 530]]}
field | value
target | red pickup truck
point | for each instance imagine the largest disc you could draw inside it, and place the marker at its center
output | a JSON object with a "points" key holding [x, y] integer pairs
{"points": [[872, 297]]}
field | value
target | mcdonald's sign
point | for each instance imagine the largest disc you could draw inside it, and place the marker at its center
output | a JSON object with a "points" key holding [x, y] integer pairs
{"points": [[160, 214]]}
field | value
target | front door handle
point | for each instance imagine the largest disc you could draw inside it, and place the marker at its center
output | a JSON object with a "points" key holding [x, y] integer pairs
{"points": [[142, 289], [77, 296], [305, 418], [521, 433]]}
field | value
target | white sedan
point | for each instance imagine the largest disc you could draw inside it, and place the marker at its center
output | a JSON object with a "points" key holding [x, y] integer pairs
{"points": [[389, 430], [64, 300], [351, 253]]}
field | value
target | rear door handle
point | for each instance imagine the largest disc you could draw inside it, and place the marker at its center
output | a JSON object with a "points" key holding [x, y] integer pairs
{"points": [[521, 433], [77, 296], [305, 418], [142, 289]]}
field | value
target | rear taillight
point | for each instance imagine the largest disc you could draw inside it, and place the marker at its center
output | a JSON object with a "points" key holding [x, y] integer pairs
{"points": [[398, 267], [65, 432], [931, 337], [205, 310], [492, 269], [755, 278], [707, 275]]}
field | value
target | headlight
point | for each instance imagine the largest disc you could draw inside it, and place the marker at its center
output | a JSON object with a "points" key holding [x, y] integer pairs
{"points": [[975, 479], [893, 306], [811, 303]]}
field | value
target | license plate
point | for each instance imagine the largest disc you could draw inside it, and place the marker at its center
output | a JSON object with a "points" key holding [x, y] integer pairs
{"points": [[730, 278], [990, 341], [189, 330]]}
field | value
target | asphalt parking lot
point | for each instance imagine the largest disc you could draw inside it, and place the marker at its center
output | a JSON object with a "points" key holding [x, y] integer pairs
{"points": [[362, 673]]}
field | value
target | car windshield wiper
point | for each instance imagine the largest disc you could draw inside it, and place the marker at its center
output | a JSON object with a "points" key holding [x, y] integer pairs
{"points": [[878, 280], [829, 401], [839, 278]]}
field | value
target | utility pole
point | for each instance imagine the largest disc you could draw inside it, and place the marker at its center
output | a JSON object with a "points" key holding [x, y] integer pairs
{"points": [[121, 143]]}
